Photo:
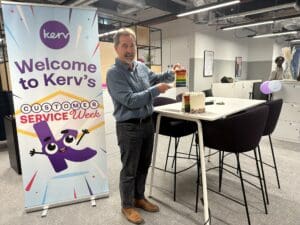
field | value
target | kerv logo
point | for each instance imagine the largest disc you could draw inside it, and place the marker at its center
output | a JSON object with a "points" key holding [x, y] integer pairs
{"points": [[54, 34]]}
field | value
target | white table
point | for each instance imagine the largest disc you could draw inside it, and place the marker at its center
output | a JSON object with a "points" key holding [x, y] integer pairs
{"points": [[221, 108]]}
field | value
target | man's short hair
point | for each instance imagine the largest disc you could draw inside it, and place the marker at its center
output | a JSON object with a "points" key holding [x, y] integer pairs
{"points": [[279, 58], [123, 31]]}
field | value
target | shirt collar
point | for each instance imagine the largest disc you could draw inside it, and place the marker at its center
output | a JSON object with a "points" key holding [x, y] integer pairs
{"points": [[125, 65]]}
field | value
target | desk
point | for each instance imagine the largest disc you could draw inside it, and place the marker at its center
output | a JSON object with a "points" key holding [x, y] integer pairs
{"points": [[221, 108]]}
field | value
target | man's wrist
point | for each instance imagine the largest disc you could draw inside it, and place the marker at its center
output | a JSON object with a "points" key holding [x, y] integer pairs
{"points": [[154, 91]]}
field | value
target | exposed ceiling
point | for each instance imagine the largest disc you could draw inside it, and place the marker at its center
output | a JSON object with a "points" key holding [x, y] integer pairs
{"points": [[116, 13]]}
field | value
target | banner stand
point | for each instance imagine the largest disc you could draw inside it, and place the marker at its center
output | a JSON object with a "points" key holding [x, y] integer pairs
{"points": [[93, 202], [54, 61], [45, 211], [48, 207]]}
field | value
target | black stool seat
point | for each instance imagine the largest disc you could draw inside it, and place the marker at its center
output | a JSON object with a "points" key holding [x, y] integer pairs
{"points": [[176, 128]]}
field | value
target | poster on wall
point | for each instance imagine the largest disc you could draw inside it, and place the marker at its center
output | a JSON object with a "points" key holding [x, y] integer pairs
{"points": [[56, 83], [238, 66], [208, 67]]}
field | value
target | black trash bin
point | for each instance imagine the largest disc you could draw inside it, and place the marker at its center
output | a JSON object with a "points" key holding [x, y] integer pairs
{"points": [[6, 113], [3, 112], [12, 143], [2, 130]]}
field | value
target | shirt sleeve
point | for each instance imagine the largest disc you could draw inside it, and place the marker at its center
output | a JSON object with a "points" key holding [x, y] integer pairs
{"points": [[166, 77], [121, 91]]}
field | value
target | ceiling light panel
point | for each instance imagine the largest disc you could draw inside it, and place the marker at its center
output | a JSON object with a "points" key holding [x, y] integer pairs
{"points": [[209, 7], [275, 34], [247, 25]]}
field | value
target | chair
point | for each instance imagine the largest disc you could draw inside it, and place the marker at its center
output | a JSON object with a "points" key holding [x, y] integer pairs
{"points": [[208, 92], [273, 116], [274, 112], [175, 128], [257, 94], [179, 97], [237, 134]]}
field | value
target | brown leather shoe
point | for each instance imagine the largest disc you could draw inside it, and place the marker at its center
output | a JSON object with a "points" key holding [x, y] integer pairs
{"points": [[132, 215], [146, 205]]}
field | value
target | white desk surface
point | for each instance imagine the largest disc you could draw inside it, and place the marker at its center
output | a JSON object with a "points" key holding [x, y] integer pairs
{"points": [[212, 112]]}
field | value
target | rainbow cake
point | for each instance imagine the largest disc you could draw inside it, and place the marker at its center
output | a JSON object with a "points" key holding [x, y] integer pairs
{"points": [[181, 77], [193, 102]]}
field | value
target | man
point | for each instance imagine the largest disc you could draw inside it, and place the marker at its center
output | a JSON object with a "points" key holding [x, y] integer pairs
{"points": [[278, 73], [133, 87]]}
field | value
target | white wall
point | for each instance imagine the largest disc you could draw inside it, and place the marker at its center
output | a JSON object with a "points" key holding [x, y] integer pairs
{"points": [[184, 41], [222, 43], [198, 38], [177, 46], [178, 42], [260, 49], [260, 53], [225, 49], [277, 50]]}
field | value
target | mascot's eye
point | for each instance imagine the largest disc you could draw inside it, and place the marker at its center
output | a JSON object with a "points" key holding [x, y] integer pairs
{"points": [[51, 148], [69, 140]]}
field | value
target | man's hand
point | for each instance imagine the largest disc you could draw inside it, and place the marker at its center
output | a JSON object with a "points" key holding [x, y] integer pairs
{"points": [[163, 87], [177, 66]]}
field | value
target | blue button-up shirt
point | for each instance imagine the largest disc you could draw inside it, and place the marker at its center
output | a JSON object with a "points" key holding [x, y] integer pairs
{"points": [[133, 90]]}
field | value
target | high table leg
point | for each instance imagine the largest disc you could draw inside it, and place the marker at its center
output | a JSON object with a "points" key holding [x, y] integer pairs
{"points": [[154, 152], [203, 173], [202, 160]]}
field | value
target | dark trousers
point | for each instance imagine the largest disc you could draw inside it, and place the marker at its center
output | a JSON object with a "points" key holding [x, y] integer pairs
{"points": [[136, 144]]}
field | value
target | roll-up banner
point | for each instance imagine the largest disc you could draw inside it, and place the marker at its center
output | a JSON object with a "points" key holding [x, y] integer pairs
{"points": [[56, 83]]}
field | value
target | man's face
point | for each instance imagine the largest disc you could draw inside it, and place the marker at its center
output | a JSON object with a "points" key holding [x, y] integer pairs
{"points": [[126, 48]]}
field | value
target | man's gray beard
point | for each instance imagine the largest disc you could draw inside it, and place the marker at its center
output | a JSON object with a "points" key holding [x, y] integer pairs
{"points": [[129, 61]]}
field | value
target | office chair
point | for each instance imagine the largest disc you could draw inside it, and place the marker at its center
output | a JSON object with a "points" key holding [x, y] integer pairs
{"points": [[237, 134], [208, 92], [179, 97], [257, 94]]}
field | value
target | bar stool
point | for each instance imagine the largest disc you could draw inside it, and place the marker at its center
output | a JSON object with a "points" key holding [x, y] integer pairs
{"points": [[237, 134]]}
